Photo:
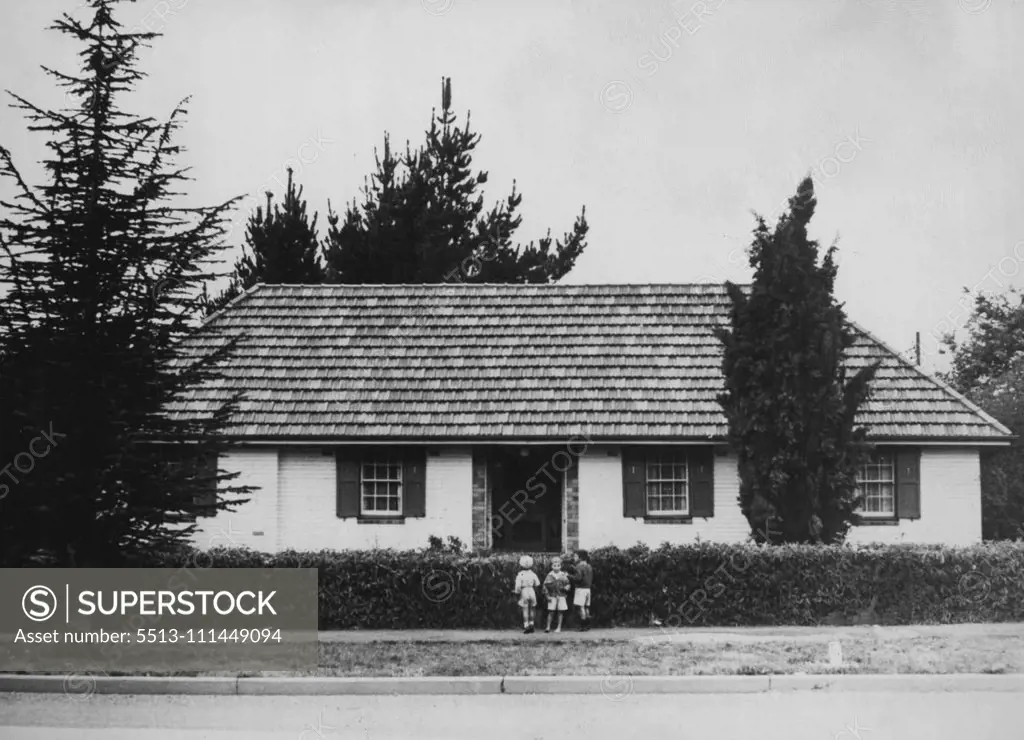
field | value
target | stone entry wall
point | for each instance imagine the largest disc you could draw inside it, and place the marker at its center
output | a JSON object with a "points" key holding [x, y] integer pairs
{"points": [[571, 536], [482, 535], [481, 503]]}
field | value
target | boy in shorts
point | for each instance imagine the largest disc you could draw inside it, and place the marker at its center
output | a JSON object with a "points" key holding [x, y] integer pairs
{"points": [[582, 577], [556, 586], [526, 582]]}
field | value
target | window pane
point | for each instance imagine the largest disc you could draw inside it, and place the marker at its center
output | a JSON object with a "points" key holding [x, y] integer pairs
{"points": [[666, 483], [381, 485], [888, 503]]}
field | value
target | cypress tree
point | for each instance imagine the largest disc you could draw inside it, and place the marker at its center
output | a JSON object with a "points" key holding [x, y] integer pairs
{"points": [[789, 405]]}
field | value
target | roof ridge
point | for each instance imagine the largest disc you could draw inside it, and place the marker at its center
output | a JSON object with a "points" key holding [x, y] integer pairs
{"points": [[942, 385]]}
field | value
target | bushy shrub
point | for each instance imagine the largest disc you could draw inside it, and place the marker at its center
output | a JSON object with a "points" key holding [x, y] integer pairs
{"points": [[454, 544], [698, 585]]}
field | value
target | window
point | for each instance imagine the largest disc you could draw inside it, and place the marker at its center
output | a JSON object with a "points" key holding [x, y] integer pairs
{"points": [[876, 480], [666, 485], [381, 486]]}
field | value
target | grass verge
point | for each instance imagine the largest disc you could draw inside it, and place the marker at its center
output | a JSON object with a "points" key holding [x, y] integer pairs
{"points": [[555, 655], [546, 656]]}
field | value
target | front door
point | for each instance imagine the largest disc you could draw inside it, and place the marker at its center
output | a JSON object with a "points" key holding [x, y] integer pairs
{"points": [[526, 501]]}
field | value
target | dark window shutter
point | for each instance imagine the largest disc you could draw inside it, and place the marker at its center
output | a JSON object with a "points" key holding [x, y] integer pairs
{"points": [[206, 474], [701, 465], [347, 494], [634, 483], [908, 484], [414, 483]]}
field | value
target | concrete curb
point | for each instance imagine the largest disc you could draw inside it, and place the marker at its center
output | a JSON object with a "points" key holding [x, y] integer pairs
{"points": [[313, 686], [900, 683], [615, 688], [77, 686]]}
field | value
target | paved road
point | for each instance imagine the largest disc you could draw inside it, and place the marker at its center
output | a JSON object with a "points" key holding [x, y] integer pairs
{"points": [[782, 716]]}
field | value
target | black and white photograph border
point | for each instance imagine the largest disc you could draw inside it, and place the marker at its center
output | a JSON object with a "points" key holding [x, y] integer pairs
{"points": [[577, 369]]}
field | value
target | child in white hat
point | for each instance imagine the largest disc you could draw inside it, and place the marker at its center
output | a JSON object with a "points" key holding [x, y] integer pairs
{"points": [[526, 582]]}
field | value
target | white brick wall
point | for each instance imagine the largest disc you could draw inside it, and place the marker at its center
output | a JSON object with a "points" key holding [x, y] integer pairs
{"points": [[242, 527], [295, 506], [297, 509], [602, 522], [950, 503]]}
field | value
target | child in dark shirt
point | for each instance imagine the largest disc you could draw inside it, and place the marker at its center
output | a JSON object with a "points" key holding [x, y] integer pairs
{"points": [[582, 577]]}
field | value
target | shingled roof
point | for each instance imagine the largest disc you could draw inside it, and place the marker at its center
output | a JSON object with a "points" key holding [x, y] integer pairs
{"points": [[516, 363]]}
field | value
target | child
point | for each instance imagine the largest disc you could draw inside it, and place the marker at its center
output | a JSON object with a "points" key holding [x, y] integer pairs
{"points": [[526, 582], [582, 577], [556, 586]]}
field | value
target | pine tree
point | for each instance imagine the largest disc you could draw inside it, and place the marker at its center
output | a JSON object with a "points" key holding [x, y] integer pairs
{"points": [[422, 220], [100, 272], [789, 406], [281, 246]]}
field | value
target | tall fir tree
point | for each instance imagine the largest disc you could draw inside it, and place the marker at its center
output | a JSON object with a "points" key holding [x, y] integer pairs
{"points": [[422, 220], [789, 406], [100, 271], [281, 246]]}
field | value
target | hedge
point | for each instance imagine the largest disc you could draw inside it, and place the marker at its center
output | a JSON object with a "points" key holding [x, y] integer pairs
{"points": [[698, 585]]}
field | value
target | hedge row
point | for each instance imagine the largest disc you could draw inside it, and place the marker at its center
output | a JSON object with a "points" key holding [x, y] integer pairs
{"points": [[699, 585]]}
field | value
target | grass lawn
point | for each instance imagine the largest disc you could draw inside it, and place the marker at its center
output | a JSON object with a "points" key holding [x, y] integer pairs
{"points": [[547, 655]]}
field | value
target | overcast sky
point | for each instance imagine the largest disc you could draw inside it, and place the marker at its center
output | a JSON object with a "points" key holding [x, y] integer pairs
{"points": [[669, 121]]}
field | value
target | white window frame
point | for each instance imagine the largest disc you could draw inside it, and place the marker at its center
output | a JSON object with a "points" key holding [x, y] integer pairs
{"points": [[661, 459], [376, 482], [882, 482]]}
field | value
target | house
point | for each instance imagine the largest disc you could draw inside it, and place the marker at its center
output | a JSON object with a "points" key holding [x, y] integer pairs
{"points": [[534, 417]]}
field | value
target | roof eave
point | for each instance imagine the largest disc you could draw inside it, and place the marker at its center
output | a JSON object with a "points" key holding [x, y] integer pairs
{"points": [[321, 441]]}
